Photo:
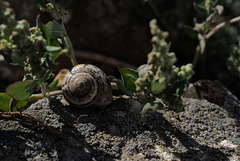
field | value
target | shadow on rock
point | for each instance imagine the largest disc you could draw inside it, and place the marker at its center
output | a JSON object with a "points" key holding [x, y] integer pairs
{"points": [[116, 133]]}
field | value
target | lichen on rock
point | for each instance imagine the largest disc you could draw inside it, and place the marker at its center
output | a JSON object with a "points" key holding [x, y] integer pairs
{"points": [[204, 131]]}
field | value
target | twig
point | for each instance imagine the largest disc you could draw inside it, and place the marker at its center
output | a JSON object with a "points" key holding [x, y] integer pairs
{"points": [[196, 56], [80, 117], [71, 51], [221, 25], [36, 97], [29, 119], [201, 48], [43, 89]]}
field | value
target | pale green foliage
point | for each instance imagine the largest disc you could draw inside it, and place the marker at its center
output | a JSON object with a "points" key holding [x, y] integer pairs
{"points": [[161, 78], [53, 6], [24, 46], [6, 15], [33, 48], [234, 60]]}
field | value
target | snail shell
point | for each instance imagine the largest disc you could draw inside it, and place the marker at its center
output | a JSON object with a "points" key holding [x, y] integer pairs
{"points": [[87, 85]]}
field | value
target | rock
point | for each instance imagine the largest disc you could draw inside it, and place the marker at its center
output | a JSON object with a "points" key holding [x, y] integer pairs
{"points": [[214, 92], [204, 131]]}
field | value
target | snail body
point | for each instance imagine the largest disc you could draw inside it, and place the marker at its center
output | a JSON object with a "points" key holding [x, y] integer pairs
{"points": [[87, 85]]}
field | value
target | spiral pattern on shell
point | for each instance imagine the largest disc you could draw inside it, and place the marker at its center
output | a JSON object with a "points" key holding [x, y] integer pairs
{"points": [[87, 85]]}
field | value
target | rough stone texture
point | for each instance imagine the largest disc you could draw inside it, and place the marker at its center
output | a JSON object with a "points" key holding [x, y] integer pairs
{"points": [[204, 131], [214, 92]]}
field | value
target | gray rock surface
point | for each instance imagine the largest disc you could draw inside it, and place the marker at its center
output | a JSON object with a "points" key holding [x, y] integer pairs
{"points": [[214, 92], [203, 132]]}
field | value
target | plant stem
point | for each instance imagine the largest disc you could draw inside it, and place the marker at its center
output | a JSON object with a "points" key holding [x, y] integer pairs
{"points": [[201, 48], [71, 51], [43, 89], [36, 97], [221, 25]]}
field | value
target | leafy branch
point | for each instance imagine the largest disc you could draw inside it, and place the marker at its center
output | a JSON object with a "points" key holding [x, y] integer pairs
{"points": [[59, 10], [233, 62], [159, 83], [221, 25], [34, 48], [209, 27]]}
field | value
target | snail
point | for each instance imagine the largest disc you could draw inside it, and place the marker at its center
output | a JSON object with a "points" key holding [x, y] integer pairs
{"points": [[87, 85]]}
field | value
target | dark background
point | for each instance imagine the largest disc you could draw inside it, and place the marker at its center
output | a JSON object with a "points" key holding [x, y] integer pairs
{"points": [[120, 29]]}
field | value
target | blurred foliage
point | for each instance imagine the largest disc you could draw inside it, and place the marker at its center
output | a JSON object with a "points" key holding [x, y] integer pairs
{"points": [[160, 78], [220, 58], [158, 83], [24, 46], [234, 60], [214, 63], [201, 16], [34, 48]]}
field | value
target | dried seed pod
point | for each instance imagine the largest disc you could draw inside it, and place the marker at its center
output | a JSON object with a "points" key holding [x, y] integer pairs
{"points": [[87, 85]]}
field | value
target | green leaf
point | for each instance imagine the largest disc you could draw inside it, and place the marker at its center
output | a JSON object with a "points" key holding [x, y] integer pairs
{"points": [[120, 85], [179, 88], [152, 106], [157, 87], [50, 62], [56, 45], [52, 86], [21, 91], [20, 105], [53, 48], [55, 29], [5, 38], [4, 102], [55, 51], [129, 77], [208, 5], [200, 8], [43, 29]]}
